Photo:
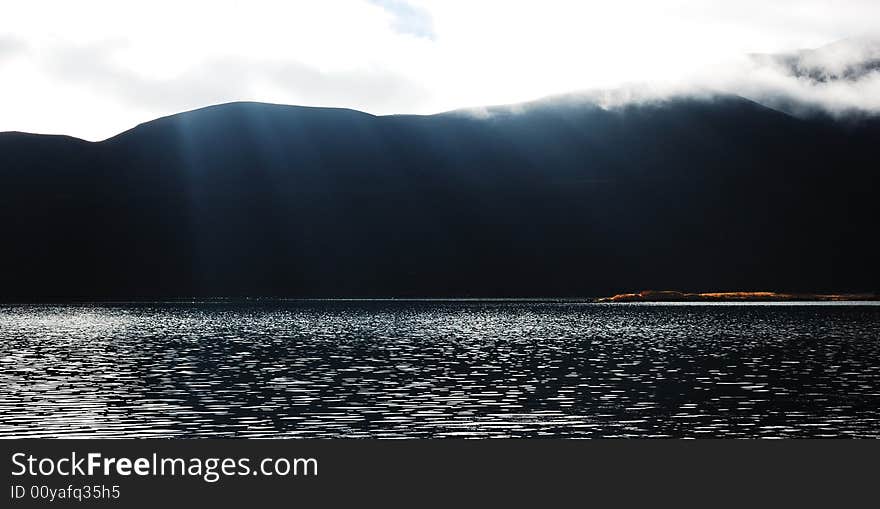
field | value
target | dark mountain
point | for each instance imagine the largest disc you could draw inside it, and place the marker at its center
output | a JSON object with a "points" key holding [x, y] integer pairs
{"points": [[555, 198]]}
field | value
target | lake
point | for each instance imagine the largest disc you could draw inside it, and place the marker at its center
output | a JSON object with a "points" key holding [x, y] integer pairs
{"points": [[440, 369]]}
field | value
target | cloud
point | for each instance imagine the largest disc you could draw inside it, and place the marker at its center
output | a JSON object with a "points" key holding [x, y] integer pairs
{"points": [[408, 19], [96, 67], [11, 46]]}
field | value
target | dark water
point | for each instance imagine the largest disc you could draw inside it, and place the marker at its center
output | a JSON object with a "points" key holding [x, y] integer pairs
{"points": [[439, 369]]}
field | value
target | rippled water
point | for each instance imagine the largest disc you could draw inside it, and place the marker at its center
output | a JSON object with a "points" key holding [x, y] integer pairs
{"points": [[439, 369]]}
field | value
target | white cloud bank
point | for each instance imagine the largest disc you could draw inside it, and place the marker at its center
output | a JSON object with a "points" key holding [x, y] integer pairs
{"points": [[93, 68]]}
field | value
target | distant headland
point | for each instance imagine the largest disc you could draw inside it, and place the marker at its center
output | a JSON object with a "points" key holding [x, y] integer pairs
{"points": [[676, 296]]}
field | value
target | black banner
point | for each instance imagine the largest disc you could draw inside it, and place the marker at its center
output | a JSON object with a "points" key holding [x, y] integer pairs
{"points": [[411, 473]]}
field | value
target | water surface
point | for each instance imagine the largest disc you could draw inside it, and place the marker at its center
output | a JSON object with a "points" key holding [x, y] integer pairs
{"points": [[440, 369]]}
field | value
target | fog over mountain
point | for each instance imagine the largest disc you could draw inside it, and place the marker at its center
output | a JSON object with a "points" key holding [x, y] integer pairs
{"points": [[842, 78], [848, 60]]}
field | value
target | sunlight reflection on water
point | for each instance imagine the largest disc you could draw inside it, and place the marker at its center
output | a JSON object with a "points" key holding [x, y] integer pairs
{"points": [[439, 369]]}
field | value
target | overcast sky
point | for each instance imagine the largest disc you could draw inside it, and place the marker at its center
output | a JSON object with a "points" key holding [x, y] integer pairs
{"points": [[92, 68]]}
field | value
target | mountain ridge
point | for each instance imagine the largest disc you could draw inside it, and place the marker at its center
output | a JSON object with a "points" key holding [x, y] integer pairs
{"points": [[590, 98]]}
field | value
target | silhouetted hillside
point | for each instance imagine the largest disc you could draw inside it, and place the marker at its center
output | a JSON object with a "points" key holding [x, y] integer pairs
{"points": [[555, 198]]}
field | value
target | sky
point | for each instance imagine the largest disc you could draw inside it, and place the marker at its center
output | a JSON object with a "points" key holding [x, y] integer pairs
{"points": [[93, 68]]}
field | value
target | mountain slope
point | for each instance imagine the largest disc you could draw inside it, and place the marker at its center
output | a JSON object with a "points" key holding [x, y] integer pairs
{"points": [[554, 198]]}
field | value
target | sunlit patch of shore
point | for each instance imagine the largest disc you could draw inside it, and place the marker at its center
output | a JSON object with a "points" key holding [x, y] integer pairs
{"points": [[673, 295]]}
